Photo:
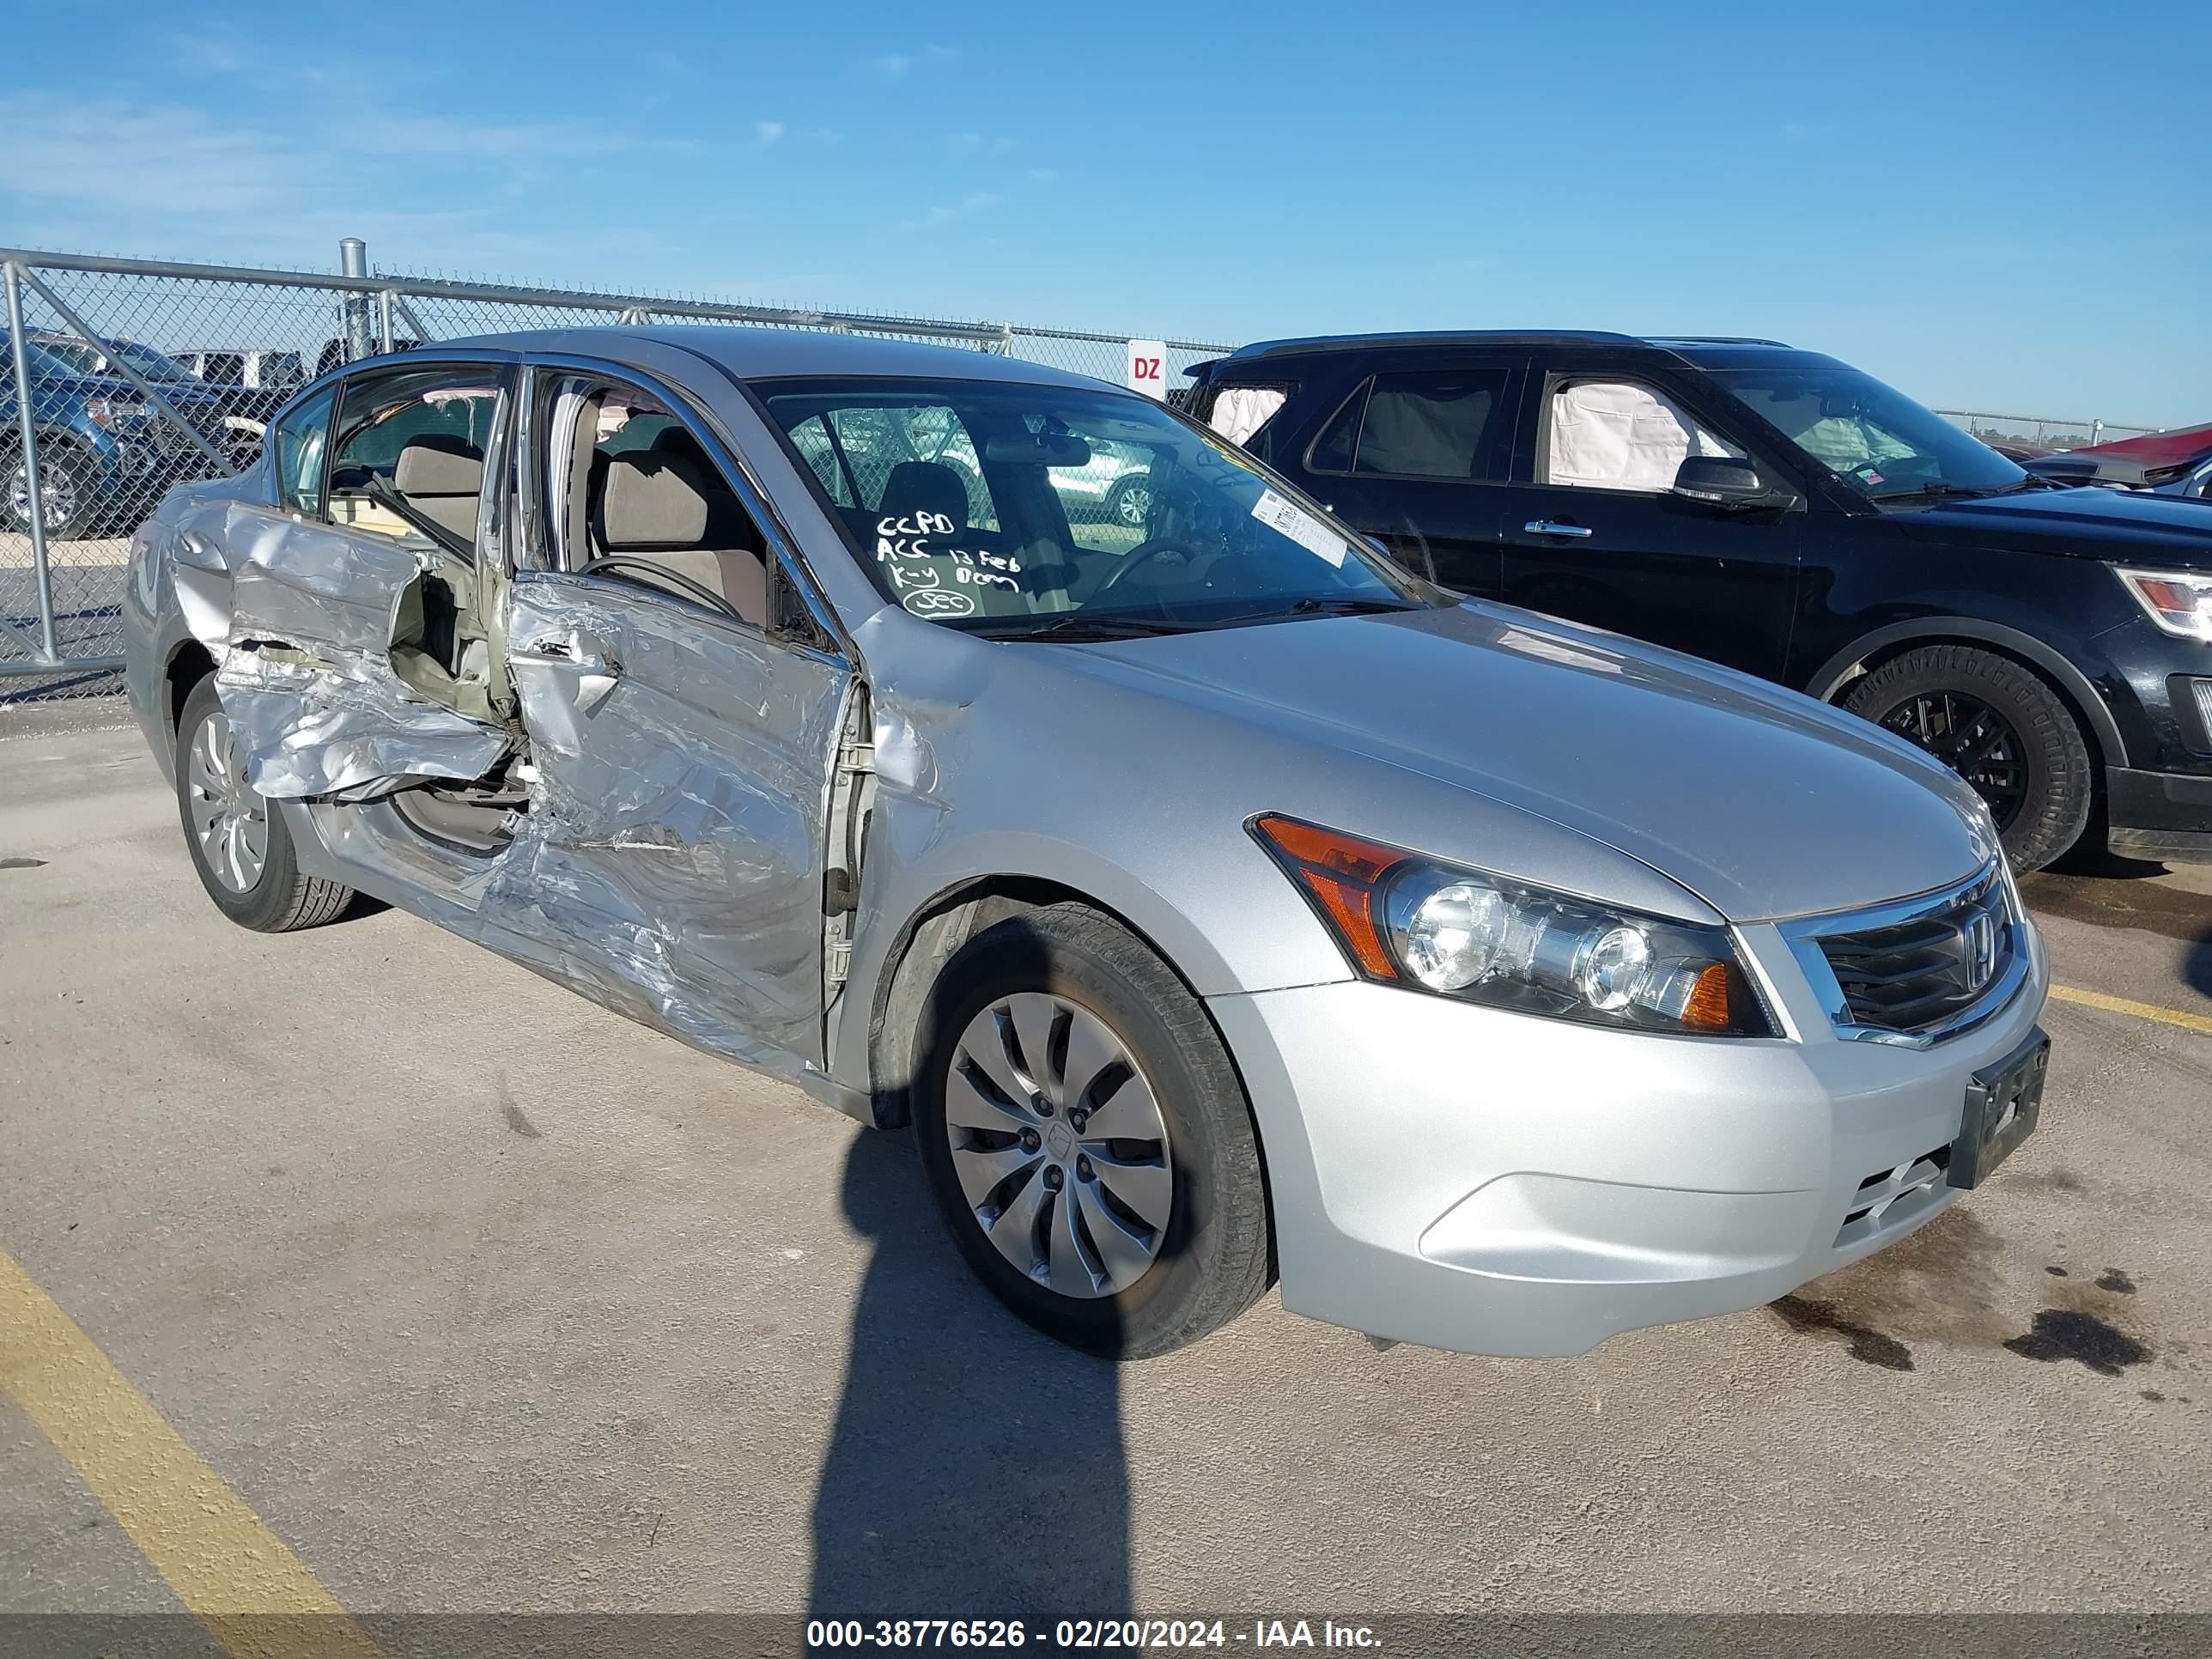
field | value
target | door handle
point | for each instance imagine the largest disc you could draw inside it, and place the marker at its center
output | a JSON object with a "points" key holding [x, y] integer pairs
{"points": [[559, 653], [1553, 527]]}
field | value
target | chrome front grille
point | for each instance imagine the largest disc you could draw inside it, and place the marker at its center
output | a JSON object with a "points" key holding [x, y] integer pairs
{"points": [[1921, 970]]}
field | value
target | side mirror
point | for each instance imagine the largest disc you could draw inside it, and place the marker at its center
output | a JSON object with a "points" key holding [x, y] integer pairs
{"points": [[1724, 481]]}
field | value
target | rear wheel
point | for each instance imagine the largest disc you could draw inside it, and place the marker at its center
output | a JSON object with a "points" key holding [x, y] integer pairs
{"points": [[237, 838], [2001, 727], [1087, 1139]]}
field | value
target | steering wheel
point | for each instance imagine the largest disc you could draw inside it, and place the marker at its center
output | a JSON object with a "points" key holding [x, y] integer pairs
{"points": [[1142, 553]]}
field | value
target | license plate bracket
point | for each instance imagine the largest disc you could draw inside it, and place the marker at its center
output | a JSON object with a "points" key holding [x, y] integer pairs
{"points": [[2003, 1103]]}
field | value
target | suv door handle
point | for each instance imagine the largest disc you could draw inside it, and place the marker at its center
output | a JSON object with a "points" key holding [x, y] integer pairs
{"points": [[1553, 527]]}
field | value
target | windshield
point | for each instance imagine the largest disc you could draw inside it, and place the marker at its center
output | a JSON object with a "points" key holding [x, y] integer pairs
{"points": [[1011, 509], [147, 360], [1872, 436], [90, 360]]}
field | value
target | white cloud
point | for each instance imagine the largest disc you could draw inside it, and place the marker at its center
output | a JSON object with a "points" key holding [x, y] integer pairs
{"points": [[894, 64], [976, 201], [975, 143], [767, 132]]}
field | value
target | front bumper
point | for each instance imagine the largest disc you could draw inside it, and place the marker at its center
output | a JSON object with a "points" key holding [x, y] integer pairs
{"points": [[1493, 1183], [2159, 815]]}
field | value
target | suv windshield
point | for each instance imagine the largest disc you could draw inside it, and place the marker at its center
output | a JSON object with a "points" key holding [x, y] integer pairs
{"points": [[1018, 510], [1872, 436]]}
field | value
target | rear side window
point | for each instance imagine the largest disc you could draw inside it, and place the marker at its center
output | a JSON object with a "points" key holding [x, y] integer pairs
{"points": [[1427, 425], [418, 435], [301, 438]]}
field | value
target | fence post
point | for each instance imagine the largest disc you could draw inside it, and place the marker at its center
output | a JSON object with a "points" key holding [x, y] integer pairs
{"points": [[41, 575], [353, 261]]}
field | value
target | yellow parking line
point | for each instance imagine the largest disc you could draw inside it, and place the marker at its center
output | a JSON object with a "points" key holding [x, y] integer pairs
{"points": [[224, 1564], [2187, 1022]]}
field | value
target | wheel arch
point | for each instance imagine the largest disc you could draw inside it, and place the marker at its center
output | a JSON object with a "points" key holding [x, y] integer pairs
{"points": [[188, 664], [1862, 656], [930, 938]]}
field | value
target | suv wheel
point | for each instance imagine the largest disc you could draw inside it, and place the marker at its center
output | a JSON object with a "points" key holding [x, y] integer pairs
{"points": [[67, 488], [1086, 1137], [2002, 729], [237, 838]]}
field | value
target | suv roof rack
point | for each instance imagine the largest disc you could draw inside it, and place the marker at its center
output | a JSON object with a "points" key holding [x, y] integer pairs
{"points": [[1714, 339], [1438, 337]]}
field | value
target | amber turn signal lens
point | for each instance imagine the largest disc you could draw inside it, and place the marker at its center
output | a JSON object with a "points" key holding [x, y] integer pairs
{"points": [[1340, 873], [1710, 1000]]}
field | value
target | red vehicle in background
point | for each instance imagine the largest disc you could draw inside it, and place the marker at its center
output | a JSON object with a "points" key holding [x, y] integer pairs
{"points": [[2176, 463]]}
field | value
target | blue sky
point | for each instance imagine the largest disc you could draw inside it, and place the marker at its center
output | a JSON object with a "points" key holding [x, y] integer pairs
{"points": [[1987, 206]]}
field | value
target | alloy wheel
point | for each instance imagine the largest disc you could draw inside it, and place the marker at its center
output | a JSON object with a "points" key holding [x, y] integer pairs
{"points": [[56, 491], [1973, 740], [1059, 1145], [1133, 505], [229, 820]]}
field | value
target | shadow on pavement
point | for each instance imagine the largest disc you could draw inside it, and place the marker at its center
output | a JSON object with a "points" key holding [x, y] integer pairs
{"points": [[976, 1467]]}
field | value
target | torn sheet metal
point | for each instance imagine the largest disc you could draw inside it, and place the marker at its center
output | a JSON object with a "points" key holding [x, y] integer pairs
{"points": [[307, 679], [312, 730], [676, 834]]}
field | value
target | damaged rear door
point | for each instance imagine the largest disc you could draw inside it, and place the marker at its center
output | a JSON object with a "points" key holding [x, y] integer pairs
{"points": [[360, 657]]}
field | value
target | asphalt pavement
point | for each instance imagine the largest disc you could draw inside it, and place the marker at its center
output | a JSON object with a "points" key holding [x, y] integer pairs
{"points": [[478, 1297]]}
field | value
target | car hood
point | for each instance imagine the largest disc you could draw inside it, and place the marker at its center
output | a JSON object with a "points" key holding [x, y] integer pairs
{"points": [[2086, 522], [1763, 802]]}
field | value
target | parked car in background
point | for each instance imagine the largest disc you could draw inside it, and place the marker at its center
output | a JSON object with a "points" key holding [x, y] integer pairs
{"points": [[1782, 514], [105, 452], [2178, 464], [1123, 870], [253, 383]]}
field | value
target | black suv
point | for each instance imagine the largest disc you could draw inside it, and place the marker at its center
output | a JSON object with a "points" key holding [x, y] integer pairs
{"points": [[1780, 511]]}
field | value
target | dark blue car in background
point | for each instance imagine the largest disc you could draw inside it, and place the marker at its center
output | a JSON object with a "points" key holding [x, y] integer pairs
{"points": [[105, 453]]}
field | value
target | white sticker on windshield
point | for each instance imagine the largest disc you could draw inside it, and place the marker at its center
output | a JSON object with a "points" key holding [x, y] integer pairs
{"points": [[1301, 527]]}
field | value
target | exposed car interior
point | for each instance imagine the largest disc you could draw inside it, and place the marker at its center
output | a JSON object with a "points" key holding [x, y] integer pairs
{"points": [[640, 500], [407, 461]]}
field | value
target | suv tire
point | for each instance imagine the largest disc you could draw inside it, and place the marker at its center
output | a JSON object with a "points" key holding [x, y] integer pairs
{"points": [[237, 839], [1182, 1141], [65, 474], [2048, 784]]}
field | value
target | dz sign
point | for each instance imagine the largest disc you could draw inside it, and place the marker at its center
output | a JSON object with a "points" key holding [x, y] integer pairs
{"points": [[1148, 367]]}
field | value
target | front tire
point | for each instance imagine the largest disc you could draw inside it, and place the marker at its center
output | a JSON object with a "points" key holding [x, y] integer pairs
{"points": [[69, 485], [2000, 726], [1086, 1137], [238, 840]]}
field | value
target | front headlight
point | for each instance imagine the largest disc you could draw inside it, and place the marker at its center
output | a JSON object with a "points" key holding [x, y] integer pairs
{"points": [[1405, 920], [2178, 601], [107, 411]]}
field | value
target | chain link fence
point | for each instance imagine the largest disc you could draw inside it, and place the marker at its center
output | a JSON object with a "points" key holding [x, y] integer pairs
{"points": [[2040, 431], [120, 379]]}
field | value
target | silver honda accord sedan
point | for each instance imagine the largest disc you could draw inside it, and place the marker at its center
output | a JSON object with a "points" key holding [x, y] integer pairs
{"points": [[1217, 900]]}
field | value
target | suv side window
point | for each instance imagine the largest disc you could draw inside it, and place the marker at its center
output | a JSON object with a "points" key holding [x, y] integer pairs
{"points": [[418, 435], [1620, 435], [1436, 423], [301, 438]]}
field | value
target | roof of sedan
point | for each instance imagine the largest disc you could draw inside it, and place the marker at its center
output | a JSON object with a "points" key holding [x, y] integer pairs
{"points": [[755, 353]]}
